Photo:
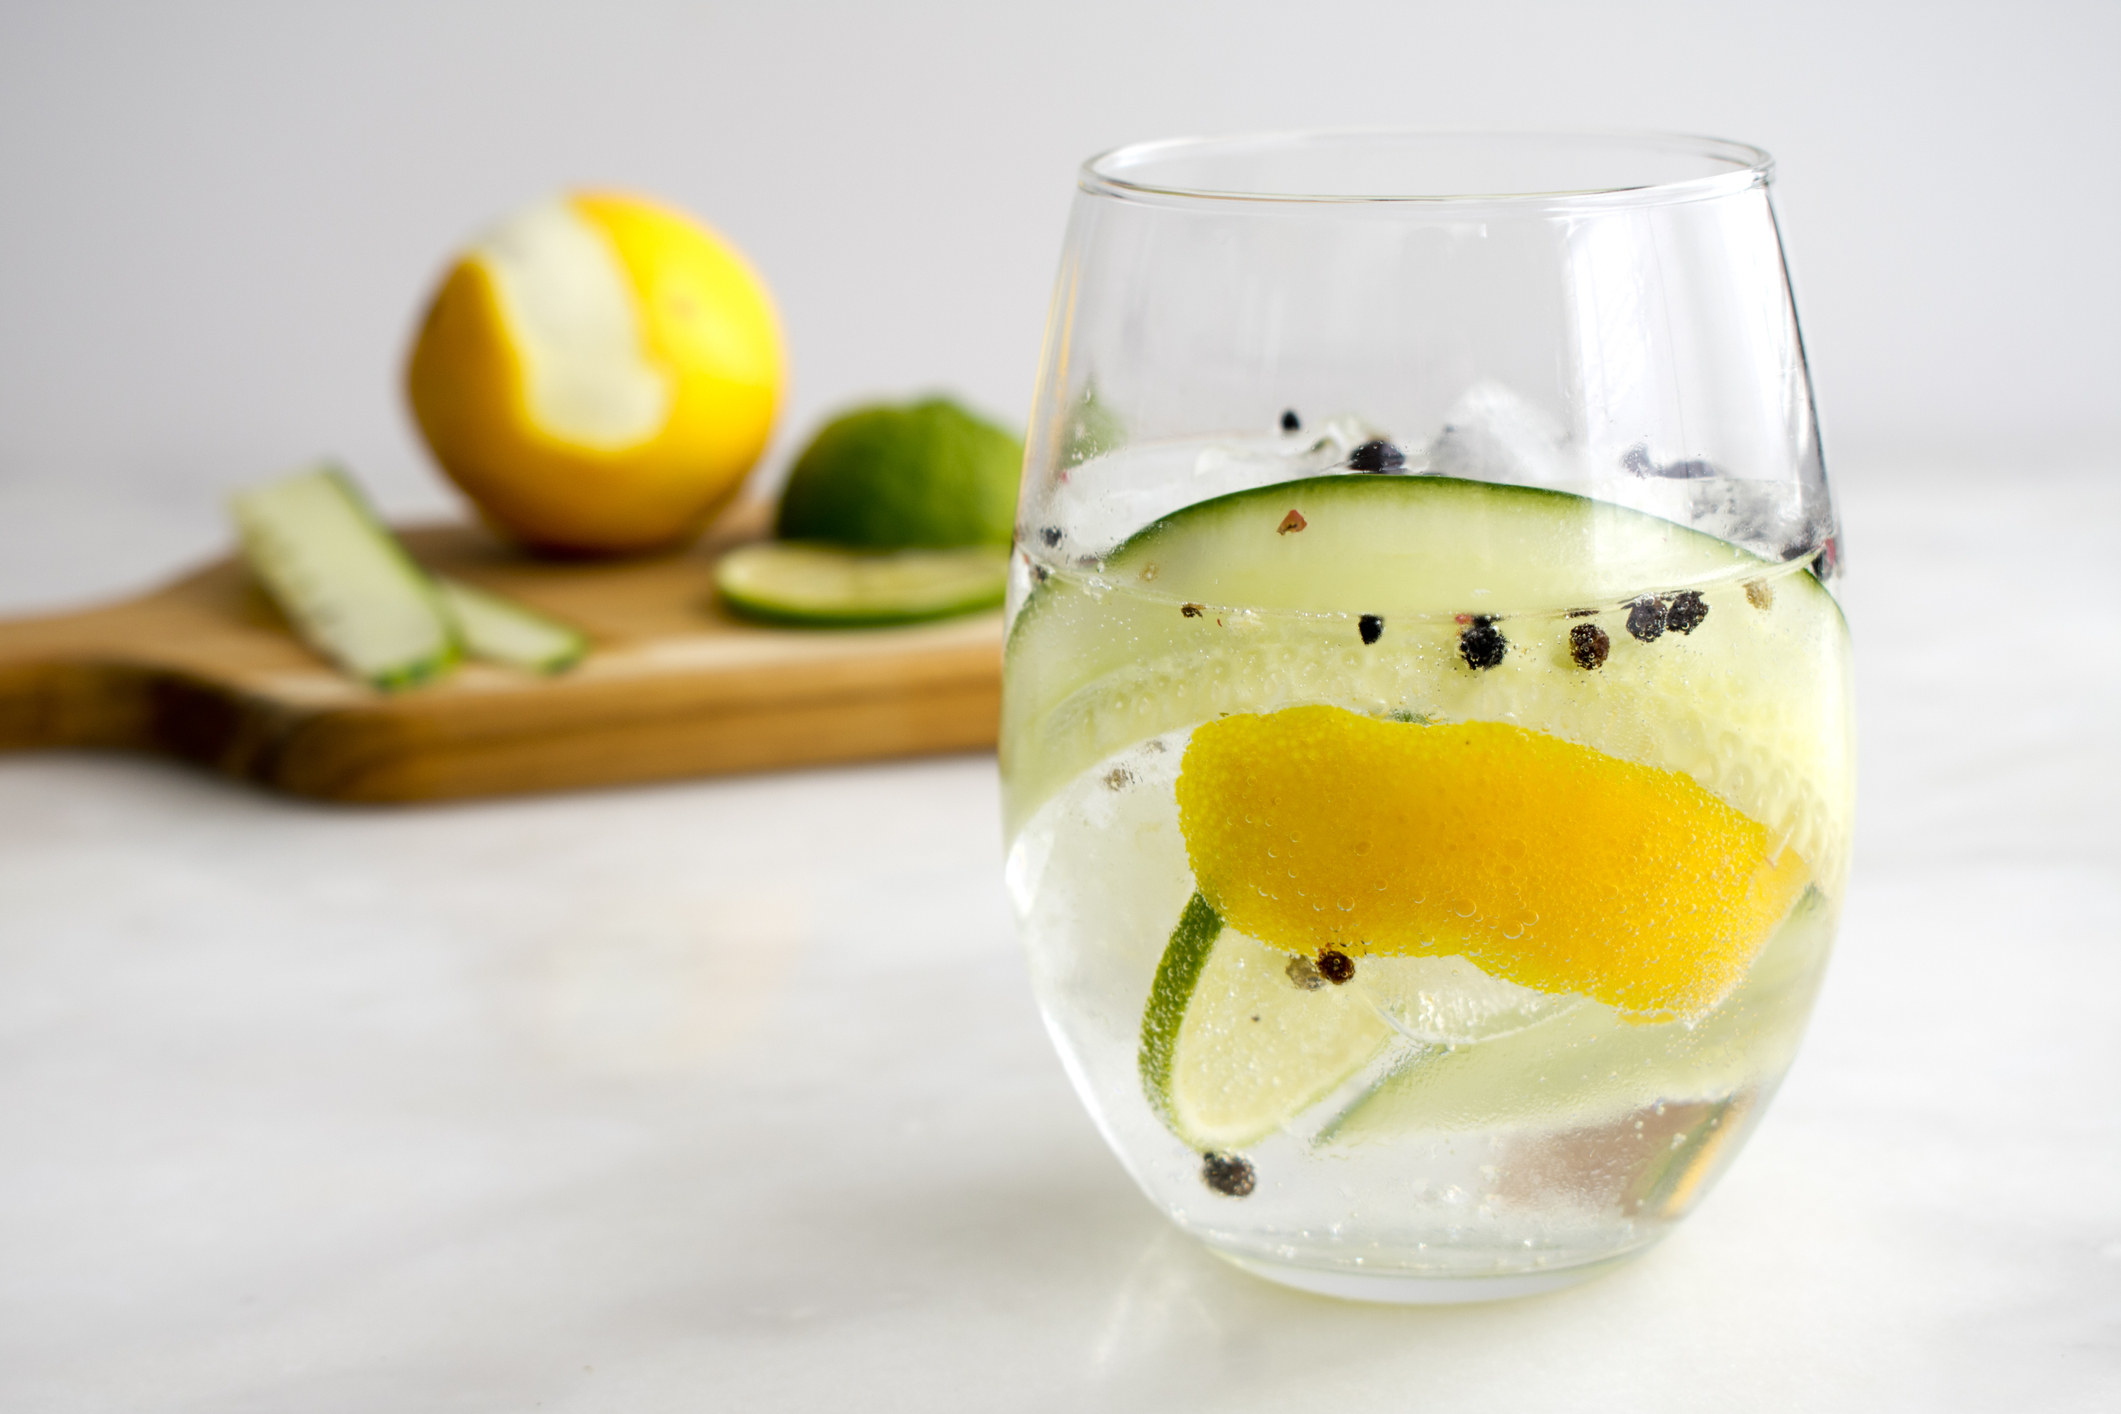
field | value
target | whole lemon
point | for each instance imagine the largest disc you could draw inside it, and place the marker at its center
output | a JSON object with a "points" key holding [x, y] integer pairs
{"points": [[598, 373]]}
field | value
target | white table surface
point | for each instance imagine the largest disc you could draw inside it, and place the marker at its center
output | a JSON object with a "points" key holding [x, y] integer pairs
{"points": [[731, 1095]]}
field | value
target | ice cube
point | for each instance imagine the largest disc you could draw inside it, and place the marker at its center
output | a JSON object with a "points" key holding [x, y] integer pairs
{"points": [[1766, 517], [1108, 498], [1447, 1001], [1494, 433]]}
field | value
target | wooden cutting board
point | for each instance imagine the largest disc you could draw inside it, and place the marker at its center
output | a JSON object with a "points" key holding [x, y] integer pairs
{"points": [[207, 670]]}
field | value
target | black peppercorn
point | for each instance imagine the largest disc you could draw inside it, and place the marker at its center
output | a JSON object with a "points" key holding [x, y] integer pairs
{"points": [[1336, 967], [1376, 456], [1646, 619], [1228, 1174], [1290, 422], [1482, 644], [1686, 613], [1588, 645], [1051, 535], [1371, 627]]}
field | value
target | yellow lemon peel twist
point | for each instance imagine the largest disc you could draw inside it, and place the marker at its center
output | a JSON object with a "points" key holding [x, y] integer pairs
{"points": [[1545, 863]]}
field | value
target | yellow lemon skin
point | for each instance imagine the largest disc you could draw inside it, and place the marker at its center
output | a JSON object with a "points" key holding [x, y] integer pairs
{"points": [[710, 350], [1544, 863]]}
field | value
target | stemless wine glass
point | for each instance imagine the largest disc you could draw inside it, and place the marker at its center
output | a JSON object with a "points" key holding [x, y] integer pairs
{"points": [[1426, 747]]}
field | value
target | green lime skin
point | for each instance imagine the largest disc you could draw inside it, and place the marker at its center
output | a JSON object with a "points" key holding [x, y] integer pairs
{"points": [[927, 473], [1177, 972]]}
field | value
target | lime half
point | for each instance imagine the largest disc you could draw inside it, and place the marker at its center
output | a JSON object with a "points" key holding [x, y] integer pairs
{"points": [[927, 473], [826, 584]]}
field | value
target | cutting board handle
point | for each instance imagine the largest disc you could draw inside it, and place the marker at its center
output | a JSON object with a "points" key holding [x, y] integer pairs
{"points": [[94, 679], [203, 669]]}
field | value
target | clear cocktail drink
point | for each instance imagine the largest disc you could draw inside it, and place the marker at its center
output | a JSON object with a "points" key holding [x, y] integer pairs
{"points": [[1425, 878], [1426, 743]]}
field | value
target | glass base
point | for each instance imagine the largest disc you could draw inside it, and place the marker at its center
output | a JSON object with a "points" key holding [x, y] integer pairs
{"points": [[1407, 1289]]}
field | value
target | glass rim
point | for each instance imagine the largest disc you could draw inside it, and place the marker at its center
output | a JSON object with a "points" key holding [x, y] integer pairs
{"points": [[1735, 167]]}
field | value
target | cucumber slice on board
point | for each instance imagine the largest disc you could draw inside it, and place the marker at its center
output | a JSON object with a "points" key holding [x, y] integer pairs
{"points": [[347, 585], [500, 630], [801, 583], [1216, 609]]}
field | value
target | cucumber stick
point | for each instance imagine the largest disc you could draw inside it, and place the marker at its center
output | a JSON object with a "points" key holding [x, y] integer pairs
{"points": [[500, 630], [355, 595], [347, 585]]}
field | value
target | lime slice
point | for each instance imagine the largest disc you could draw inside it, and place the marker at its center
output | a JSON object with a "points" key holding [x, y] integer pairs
{"points": [[500, 630], [825, 584], [343, 580], [1217, 609], [1239, 1038], [1232, 1048]]}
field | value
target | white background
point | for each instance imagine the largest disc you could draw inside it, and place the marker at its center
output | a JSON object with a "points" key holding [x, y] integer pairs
{"points": [[218, 223], [731, 1093]]}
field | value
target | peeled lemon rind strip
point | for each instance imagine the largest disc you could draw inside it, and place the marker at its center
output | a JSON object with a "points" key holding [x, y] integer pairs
{"points": [[1549, 865]]}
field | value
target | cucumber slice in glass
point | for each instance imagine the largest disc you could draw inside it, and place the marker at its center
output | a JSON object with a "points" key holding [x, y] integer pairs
{"points": [[1215, 609], [802, 583], [500, 630], [1611, 1068], [345, 583]]}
